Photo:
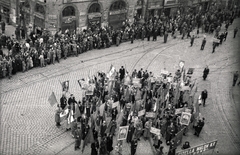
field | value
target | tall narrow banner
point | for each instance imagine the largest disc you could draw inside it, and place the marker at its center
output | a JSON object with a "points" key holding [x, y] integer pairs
{"points": [[122, 134], [65, 86], [52, 99], [136, 82]]}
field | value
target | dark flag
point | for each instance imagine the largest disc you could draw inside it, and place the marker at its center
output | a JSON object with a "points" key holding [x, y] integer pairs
{"points": [[178, 138]]}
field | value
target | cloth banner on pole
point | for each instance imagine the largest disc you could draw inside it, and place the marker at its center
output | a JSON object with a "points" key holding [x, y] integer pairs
{"points": [[64, 114], [52, 99]]}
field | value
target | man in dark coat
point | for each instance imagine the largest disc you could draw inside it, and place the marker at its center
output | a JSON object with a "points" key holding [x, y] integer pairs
{"points": [[130, 132], [203, 43], [122, 73], [109, 143], [95, 147], [204, 96], [235, 32], [199, 127], [78, 136], [205, 73]]}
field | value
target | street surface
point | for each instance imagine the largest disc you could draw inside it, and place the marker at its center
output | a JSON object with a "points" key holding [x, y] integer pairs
{"points": [[27, 119]]}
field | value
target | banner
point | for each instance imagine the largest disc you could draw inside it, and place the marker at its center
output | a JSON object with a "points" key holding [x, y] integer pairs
{"points": [[123, 131], [127, 80], [136, 82], [141, 113], [63, 114], [155, 131], [185, 118], [115, 104], [111, 73], [65, 86], [199, 149], [150, 114], [178, 138]]}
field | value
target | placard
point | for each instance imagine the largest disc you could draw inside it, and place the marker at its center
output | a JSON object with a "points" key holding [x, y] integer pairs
{"points": [[185, 118], [164, 72], [199, 149], [136, 82], [115, 104], [179, 111], [142, 112], [155, 131], [151, 114], [123, 131]]}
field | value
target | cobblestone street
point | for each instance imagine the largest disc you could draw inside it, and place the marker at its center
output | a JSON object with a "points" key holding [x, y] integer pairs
{"points": [[27, 119]]}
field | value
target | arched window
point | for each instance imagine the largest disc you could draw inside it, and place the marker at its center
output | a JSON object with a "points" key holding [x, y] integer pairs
{"points": [[118, 5], [68, 11], [39, 8], [95, 7]]}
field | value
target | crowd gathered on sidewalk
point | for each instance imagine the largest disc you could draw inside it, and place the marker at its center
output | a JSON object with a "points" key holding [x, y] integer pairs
{"points": [[39, 50]]}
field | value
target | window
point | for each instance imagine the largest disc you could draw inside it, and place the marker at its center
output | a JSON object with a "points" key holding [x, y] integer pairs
{"points": [[68, 11], [94, 8], [118, 5], [39, 8]]}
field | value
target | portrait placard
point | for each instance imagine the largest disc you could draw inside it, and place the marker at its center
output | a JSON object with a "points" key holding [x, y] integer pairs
{"points": [[123, 131]]}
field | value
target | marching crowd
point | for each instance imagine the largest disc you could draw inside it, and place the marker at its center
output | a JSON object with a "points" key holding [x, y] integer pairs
{"points": [[163, 97], [39, 50]]}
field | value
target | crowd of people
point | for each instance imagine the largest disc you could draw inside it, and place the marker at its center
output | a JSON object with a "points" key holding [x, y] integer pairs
{"points": [[166, 97], [39, 50]]}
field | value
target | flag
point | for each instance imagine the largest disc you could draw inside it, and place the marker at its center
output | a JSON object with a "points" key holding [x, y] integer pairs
{"points": [[52, 99], [63, 114], [83, 84], [178, 138], [70, 117], [88, 139], [112, 72], [65, 86]]}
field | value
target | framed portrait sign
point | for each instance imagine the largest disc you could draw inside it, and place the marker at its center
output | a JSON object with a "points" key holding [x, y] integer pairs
{"points": [[185, 118], [123, 131]]}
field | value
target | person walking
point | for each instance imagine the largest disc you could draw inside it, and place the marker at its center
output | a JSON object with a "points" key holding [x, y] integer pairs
{"points": [[214, 46], [57, 116], [3, 24], [225, 35], [199, 127], [235, 32], [203, 43], [122, 73], [204, 96], [192, 40], [235, 78], [134, 144], [205, 73]]}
